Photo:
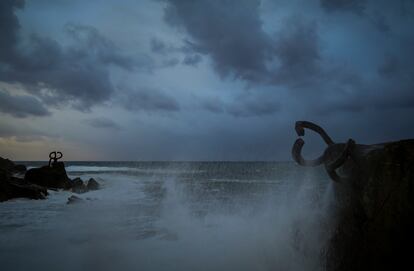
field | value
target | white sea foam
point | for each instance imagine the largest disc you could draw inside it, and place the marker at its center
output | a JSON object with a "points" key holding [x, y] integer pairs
{"points": [[73, 168], [135, 223], [98, 168]]}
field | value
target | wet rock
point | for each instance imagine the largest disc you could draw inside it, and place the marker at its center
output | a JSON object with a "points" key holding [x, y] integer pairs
{"points": [[74, 199], [78, 186], [6, 164], [92, 184], [375, 212], [12, 187], [10, 167], [22, 189], [20, 169], [4, 187], [77, 181], [50, 177]]}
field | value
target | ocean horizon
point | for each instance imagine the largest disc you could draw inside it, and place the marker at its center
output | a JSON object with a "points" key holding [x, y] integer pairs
{"points": [[174, 216]]}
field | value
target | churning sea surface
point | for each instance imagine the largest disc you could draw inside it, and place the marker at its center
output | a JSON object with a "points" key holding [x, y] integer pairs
{"points": [[174, 216]]}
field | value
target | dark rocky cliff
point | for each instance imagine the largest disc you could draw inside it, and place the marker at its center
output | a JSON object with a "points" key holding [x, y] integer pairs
{"points": [[375, 211]]}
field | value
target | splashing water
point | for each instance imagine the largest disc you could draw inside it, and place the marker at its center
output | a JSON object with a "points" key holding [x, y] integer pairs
{"points": [[179, 216]]}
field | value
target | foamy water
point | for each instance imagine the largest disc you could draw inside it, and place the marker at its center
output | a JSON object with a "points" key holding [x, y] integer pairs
{"points": [[182, 216]]}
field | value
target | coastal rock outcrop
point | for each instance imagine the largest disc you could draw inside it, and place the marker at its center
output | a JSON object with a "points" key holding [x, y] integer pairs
{"points": [[375, 212], [18, 188], [74, 199], [37, 180], [12, 187], [374, 203], [78, 186], [9, 166], [49, 176], [92, 184], [21, 169]]}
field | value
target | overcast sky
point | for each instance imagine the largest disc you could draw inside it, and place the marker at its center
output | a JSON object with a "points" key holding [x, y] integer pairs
{"points": [[201, 80]]}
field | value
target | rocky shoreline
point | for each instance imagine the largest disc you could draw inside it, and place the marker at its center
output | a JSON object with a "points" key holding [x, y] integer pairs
{"points": [[18, 182], [375, 211], [373, 203]]}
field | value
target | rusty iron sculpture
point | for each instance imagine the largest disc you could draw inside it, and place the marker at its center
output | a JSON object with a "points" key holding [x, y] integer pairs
{"points": [[373, 207], [55, 156], [334, 156]]}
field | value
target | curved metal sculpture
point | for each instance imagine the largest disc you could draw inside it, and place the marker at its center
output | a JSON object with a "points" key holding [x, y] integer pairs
{"points": [[55, 156], [335, 155]]}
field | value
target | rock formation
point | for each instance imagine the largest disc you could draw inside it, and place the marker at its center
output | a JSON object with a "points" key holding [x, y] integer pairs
{"points": [[74, 199], [374, 223], [51, 177], [12, 187], [92, 184], [37, 180], [9, 166], [78, 186]]}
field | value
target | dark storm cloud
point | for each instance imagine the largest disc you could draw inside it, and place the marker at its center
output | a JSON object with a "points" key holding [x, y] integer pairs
{"points": [[160, 47], [395, 84], [24, 133], [381, 23], [192, 60], [396, 93], [213, 105], [406, 7], [356, 6], [102, 122], [9, 25], [170, 62], [229, 31], [389, 67], [298, 53], [171, 53], [242, 107], [375, 97], [253, 108], [91, 44], [148, 99], [347, 106], [76, 74], [57, 76], [232, 35], [21, 106], [402, 100], [347, 65]]}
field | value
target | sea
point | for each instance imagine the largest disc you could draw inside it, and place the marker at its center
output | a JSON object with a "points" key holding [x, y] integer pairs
{"points": [[174, 216]]}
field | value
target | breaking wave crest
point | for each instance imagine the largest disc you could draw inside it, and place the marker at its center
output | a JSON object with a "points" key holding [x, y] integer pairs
{"points": [[187, 220]]}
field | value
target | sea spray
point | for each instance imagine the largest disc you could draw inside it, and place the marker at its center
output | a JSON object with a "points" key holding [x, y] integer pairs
{"points": [[206, 216], [288, 232]]}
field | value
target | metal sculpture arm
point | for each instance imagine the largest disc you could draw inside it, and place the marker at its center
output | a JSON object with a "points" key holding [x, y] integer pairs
{"points": [[332, 166], [297, 155], [333, 157], [300, 125], [298, 145], [55, 156]]}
